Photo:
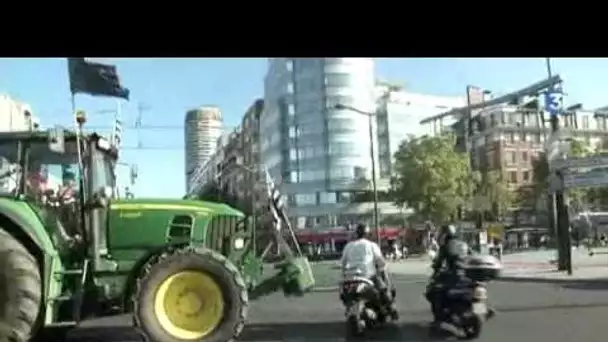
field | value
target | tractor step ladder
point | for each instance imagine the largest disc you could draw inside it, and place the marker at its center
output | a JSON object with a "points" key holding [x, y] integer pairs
{"points": [[76, 297]]}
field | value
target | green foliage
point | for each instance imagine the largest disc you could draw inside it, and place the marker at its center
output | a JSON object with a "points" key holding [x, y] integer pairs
{"points": [[431, 177], [214, 193], [540, 167], [494, 191]]}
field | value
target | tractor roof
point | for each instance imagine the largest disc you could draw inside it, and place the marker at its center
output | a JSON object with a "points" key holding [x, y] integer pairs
{"points": [[217, 208], [42, 135]]}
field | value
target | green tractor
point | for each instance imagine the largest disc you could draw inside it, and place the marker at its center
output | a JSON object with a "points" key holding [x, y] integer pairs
{"points": [[185, 269]]}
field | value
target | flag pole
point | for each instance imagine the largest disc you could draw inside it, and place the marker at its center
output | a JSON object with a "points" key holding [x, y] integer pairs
{"points": [[116, 141], [81, 175]]}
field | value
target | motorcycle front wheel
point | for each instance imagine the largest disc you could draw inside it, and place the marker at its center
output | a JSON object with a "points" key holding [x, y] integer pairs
{"points": [[472, 326]]}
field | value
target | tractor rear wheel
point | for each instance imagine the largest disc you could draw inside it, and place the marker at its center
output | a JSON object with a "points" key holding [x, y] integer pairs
{"points": [[20, 290], [191, 295]]}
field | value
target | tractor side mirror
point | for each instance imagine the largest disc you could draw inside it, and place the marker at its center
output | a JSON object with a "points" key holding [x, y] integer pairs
{"points": [[57, 140]]}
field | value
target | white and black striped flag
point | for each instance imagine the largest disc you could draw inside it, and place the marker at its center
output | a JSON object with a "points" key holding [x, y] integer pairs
{"points": [[276, 203]]}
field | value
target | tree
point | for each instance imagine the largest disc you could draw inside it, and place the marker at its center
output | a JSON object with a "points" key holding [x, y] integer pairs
{"points": [[215, 193], [431, 177], [540, 168], [494, 190]]}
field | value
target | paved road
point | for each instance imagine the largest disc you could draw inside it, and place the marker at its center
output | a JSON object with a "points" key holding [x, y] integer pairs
{"points": [[527, 312]]}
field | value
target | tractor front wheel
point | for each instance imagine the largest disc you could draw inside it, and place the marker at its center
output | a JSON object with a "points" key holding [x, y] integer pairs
{"points": [[20, 290], [191, 295]]}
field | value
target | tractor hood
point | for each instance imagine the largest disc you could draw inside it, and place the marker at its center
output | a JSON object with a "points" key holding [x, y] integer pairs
{"points": [[148, 223], [174, 205]]}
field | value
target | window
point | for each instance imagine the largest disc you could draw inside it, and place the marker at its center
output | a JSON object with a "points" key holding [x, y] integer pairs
{"points": [[293, 154], [512, 157], [293, 177], [327, 197], [337, 80], [512, 177], [306, 199], [524, 156], [294, 132], [526, 176], [511, 137], [290, 88], [291, 110], [312, 105], [585, 122], [289, 65]]}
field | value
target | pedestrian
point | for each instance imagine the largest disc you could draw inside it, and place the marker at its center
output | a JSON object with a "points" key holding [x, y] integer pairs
{"points": [[498, 248]]}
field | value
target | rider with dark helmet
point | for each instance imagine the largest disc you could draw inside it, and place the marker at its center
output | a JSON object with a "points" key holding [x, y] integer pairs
{"points": [[452, 250], [363, 258], [448, 266]]}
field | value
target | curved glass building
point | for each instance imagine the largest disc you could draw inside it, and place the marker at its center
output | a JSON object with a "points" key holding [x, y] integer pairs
{"points": [[203, 126], [321, 154]]}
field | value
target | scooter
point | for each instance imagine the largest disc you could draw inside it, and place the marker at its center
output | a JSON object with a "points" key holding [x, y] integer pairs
{"points": [[363, 309], [466, 304]]}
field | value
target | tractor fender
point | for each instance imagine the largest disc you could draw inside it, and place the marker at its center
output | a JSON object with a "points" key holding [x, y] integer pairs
{"points": [[26, 225], [138, 269]]}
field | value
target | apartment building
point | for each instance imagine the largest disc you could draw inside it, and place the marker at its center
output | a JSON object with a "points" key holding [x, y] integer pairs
{"points": [[509, 138]]}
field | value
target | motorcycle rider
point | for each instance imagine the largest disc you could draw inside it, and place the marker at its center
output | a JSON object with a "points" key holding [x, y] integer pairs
{"points": [[451, 254], [363, 258]]}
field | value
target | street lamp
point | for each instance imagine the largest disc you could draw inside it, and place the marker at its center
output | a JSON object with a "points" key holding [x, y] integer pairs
{"points": [[340, 106]]}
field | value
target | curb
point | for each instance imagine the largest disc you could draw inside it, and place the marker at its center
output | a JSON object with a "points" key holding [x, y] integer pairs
{"points": [[524, 279]]}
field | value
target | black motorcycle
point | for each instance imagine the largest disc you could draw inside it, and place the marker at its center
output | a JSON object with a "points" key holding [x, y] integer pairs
{"points": [[465, 303], [363, 306]]}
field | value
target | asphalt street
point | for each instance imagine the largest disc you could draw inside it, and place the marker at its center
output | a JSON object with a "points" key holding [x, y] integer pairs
{"points": [[575, 311]]}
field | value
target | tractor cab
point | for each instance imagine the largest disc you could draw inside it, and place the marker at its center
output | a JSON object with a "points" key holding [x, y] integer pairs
{"points": [[64, 186]]}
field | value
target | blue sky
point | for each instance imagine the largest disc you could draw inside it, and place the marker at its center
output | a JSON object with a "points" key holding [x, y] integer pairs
{"points": [[168, 87]]}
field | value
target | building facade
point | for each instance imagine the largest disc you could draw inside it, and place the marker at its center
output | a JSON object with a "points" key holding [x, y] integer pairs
{"points": [[16, 116], [203, 127], [235, 166], [320, 154], [253, 175], [399, 114], [510, 138]]}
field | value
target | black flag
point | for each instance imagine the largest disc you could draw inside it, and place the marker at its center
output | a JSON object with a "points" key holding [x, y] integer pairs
{"points": [[95, 79]]}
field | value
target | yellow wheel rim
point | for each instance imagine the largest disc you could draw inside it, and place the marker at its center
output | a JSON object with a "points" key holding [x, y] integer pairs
{"points": [[189, 305]]}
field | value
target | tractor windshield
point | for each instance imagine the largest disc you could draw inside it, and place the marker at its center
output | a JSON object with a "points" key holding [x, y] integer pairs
{"points": [[104, 166], [46, 169]]}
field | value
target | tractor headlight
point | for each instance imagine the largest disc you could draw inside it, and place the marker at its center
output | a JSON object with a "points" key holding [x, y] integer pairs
{"points": [[239, 243]]}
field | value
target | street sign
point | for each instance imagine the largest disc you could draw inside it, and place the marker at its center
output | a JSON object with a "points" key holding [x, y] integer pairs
{"points": [[579, 162], [587, 179], [554, 101]]}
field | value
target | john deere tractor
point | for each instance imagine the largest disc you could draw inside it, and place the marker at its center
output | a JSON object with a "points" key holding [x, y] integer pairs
{"points": [[71, 251]]}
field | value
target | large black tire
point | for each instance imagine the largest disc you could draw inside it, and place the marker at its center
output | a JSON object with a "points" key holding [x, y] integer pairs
{"points": [[213, 264], [20, 290]]}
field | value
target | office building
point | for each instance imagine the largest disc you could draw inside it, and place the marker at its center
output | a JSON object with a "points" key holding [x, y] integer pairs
{"points": [[16, 115], [203, 127], [398, 117], [320, 154]]}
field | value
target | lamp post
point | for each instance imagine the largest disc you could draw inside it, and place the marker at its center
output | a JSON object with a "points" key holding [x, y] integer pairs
{"points": [[372, 156]]}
